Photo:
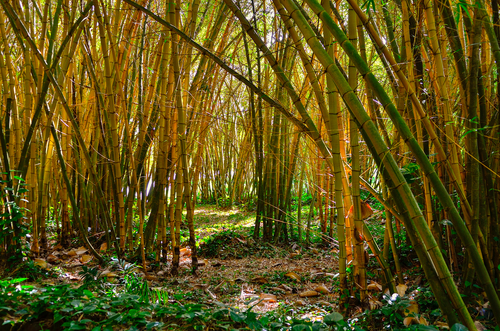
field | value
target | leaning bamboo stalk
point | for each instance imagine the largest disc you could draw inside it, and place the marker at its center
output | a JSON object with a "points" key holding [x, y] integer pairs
{"points": [[377, 146], [411, 94], [422, 159]]}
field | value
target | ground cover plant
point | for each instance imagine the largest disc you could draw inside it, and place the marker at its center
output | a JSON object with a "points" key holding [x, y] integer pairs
{"points": [[240, 285]]}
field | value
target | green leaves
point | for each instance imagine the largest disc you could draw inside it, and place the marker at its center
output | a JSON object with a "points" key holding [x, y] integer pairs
{"points": [[367, 5], [333, 318], [458, 327]]}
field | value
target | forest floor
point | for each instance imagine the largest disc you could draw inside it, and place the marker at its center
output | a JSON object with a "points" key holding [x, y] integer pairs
{"points": [[239, 284]]}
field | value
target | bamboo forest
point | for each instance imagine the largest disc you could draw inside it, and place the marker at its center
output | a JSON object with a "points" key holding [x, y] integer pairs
{"points": [[250, 165]]}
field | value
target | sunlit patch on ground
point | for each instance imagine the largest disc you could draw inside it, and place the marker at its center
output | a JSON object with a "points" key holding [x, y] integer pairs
{"points": [[210, 220]]}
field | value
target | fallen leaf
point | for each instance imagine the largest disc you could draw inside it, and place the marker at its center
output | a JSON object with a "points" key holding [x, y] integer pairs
{"points": [[86, 258], [201, 286], [241, 240], [412, 308], [104, 247], [309, 293], [81, 250], [104, 273], [71, 253], [443, 325], [278, 289], [374, 286], [401, 288], [202, 262], [322, 289], [323, 303], [299, 303], [410, 321], [286, 287], [375, 304], [293, 276], [185, 251], [268, 297], [259, 279], [41, 263], [479, 326], [423, 321], [52, 258]]}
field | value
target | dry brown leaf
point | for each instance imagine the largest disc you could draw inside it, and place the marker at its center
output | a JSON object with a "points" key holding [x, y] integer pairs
{"points": [[86, 258], [323, 303], [401, 288], [374, 286], [293, 276], [52, 258], [104, 273], [412, 308], [410, 321], [241, 240], [268, 297], [41, 263], [479, 326], [72, 252], [185, 251], [202, 262], [300, 303], [201, 286], [260, 279], [278, 289], [292, 255], [375, 304], [322, 289], [306, 294], [104, 247], [81, 250], [443, 325], [286, 287], [423, 321]]}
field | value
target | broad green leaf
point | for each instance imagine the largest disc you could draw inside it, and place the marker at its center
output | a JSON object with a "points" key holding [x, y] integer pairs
{"points": [[333, 318], [459, 327]]}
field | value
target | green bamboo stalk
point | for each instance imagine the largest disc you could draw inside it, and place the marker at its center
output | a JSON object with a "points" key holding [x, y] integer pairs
{"points": [[424, 163], [378, 147]]}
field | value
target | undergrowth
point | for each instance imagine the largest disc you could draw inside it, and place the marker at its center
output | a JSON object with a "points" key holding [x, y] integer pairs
{"points": [[232, 244], [62, 307]]}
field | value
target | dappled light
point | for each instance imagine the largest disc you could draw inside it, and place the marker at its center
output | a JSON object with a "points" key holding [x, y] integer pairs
{"points": [[249, 165]]}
